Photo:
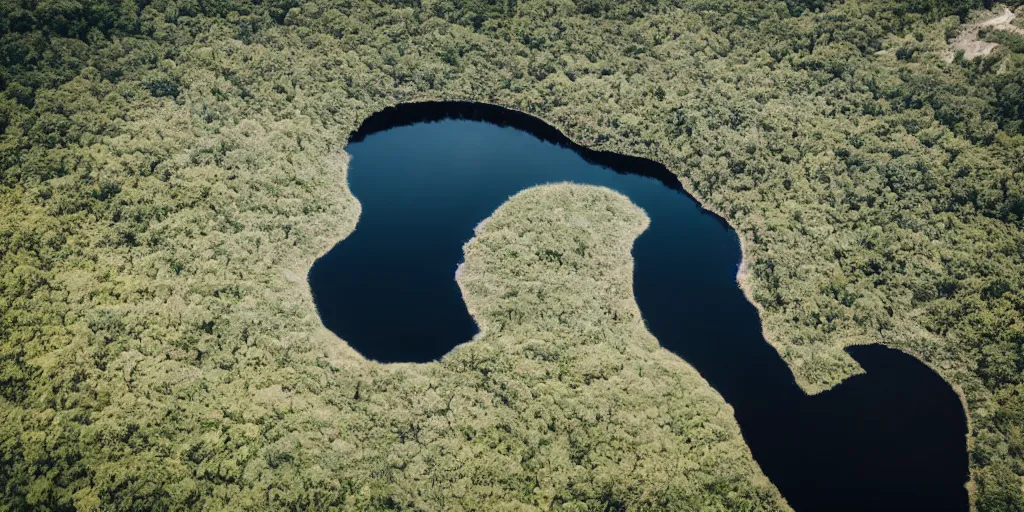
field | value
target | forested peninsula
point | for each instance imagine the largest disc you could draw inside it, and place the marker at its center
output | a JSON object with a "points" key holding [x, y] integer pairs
{"points": [[169, 170]]}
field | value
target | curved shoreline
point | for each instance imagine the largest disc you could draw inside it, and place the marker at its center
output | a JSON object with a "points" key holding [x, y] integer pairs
{"points": [[433, 110]]}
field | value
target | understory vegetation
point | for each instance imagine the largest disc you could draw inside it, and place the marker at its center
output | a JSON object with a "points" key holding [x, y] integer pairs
{"points": [[169, 170]]}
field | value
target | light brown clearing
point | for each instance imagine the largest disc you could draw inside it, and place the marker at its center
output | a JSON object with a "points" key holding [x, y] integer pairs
{"points": [[973, 47]]}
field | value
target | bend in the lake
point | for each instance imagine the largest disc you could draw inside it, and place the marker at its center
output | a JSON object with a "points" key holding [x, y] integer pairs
{"points": [[427, 173]]}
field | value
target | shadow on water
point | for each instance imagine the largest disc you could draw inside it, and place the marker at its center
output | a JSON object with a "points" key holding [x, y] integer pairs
{"points": [[427, 173]]}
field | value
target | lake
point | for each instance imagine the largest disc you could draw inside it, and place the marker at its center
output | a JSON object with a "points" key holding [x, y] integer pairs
{"points": [[426, 174]]}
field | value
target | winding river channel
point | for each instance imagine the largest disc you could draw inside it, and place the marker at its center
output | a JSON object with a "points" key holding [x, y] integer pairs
{"points": [[426, 174]]}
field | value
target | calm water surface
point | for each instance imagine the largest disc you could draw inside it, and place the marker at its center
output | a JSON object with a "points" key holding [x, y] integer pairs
{"points": [[427, 174]]}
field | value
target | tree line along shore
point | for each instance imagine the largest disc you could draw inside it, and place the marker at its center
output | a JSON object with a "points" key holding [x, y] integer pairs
{"points": [[169, 169]]}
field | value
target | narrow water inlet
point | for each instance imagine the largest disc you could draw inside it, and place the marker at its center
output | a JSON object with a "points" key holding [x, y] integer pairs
{"points": [[428, 173]]}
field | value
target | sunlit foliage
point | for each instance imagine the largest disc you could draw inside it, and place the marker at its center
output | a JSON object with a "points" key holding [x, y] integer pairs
{"points": [[169, 170]]}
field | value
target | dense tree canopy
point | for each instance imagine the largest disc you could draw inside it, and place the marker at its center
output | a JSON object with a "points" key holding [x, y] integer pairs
{"points": [[169, 169]]}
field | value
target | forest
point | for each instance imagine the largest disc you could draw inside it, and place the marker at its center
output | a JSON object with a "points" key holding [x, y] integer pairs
{"points": [[169, 169]]}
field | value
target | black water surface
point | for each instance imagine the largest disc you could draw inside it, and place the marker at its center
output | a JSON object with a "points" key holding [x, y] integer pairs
{"points": [[427, 174]]}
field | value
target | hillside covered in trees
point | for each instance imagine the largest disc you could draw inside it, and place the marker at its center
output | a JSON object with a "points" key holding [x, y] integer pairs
{"points": [[170, 169]]}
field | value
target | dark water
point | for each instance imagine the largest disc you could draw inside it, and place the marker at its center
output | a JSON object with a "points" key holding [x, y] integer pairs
{"points": [[892, 439]]}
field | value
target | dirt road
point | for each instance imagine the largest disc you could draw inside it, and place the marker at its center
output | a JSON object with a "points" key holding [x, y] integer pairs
{"points": [[972, 46]]}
